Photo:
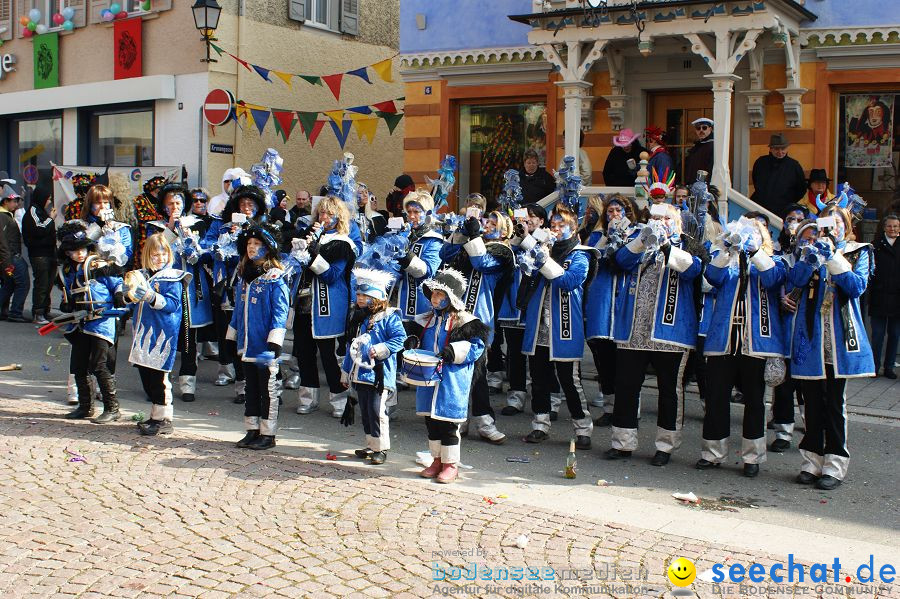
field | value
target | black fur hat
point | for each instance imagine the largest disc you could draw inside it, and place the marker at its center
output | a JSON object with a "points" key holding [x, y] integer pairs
{"points": [[72, 235], [165, 190], [244, 191], [268, 234]]}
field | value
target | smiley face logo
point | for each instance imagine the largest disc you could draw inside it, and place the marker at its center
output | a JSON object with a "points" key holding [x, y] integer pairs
{"points": [[682, 572]]}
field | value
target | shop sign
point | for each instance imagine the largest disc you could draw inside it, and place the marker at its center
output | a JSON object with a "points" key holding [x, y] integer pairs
{"points": [[7, 64]]}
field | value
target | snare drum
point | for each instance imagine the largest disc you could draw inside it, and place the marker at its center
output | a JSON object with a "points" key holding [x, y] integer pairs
{"points": [[420, 368]]}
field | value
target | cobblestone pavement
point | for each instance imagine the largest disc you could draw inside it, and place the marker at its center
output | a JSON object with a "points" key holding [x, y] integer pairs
{"points": [[98, 511]]}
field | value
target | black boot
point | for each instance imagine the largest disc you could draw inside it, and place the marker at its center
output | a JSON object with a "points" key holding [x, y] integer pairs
{"points": [[110, 412], [85, 407], [250, 437], [263, 442], [156, 427]]}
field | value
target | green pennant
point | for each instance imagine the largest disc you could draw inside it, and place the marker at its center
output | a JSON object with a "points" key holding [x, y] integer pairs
{"points": [[307, 119], [391, 119], [46, 60], [313, 79], [216, 48]]}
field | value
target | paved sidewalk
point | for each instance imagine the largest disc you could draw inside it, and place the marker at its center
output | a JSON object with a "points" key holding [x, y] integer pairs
{"points": [[97, 511]]}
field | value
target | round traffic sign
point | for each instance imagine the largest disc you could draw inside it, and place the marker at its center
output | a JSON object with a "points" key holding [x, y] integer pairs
{"points": [[30, 174], [217, 107]]}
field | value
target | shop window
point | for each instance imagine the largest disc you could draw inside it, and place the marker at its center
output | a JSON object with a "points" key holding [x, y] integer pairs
{"points": [[132, 7], [6, 20], [121, 138], [868, 150], [340, 15], [49, 8], [493, 138], [36, 142]]}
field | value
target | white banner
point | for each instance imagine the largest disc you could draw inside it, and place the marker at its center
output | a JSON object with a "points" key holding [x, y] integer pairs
{"points": [[63, 193]]}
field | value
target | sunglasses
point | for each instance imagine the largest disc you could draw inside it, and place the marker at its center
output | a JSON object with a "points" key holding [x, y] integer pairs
{"points": [[200, 199], [701, 127]]}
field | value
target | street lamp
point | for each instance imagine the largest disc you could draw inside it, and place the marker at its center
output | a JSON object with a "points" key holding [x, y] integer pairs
{"points": [[206, 19]]}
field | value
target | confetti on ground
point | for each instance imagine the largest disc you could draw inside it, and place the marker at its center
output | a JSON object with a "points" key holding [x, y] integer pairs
{"points": [[519, 459], [488, 500], [213, 413], [686, 497], [602, 483], [139, 417], [75, 456], [330, 456], [502, 496]]}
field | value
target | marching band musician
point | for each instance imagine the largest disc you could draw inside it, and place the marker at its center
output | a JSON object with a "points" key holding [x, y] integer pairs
{"points": [[655, 323]]}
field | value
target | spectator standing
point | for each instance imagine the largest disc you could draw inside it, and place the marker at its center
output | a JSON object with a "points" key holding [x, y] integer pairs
{"points": [[616, 170], [816, 185], [585, 168], [302, 205], [778, 179], [39, 234], [700, 156], [884, 295], [660, 161], [535, 181], [394, 200], [14, 274]]}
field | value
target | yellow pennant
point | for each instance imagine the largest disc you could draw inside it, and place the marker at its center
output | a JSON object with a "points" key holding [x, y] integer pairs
{"points": [[335, 115], [286, 77], [385, 69], [366, 128]]}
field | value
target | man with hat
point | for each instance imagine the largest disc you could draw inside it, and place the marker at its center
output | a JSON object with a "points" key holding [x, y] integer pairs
{"points": [[535, 181], [616, 170], [816, 185], [778, 179], [700, 156], [14, 282]]}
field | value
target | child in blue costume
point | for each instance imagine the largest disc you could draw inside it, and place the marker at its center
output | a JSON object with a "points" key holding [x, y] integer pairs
{"points": [[484, 257], [829, 343], [160, 300], [89, 284], [182, 231], [459, 339], [614, 226], [374, 337], [323, 304], [655, 323], [258, 325], [745, 330]]}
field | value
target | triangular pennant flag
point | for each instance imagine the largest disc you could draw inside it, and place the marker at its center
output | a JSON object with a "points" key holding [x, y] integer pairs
{"points": [[314, 134], [362, 73], [260, 118], [360, 109], [391, 119], [335, 115], [306, 121], [386, 106], [212, 130], [217, 49], [312, 79], [341, 132], [385, 69], [358, 117], [248, 114], [285, 120], [334, 84], [243, 62], [286, 77], [262, 71], [366, 128]]}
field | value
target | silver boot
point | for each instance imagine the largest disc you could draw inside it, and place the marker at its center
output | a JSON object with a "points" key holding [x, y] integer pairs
{"points": [[187, 385], [71, 391], [338, 402], [308, 400], [487, 429], [226, 375], [598, 401], [495, 382]]}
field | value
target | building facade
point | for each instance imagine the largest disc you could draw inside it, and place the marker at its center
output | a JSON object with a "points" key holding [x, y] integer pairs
{"points": [[154, 116], [536, 73]]}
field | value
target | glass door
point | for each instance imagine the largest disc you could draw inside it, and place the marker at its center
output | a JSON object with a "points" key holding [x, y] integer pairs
{"points": [[35, 143], [674, 112]]}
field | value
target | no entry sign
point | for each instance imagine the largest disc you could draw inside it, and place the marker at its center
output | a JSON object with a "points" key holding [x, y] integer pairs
{"points": [[217, 107]]}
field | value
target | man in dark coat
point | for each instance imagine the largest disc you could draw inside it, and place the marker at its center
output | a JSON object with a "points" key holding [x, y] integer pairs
{"points": [[884, 295], [700, 156], [616, 170], [778, 179], [535, 181]]}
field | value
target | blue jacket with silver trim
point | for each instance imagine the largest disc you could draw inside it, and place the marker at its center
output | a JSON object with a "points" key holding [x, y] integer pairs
{"points": [[157, 320], [260, 314], [387, 335]]}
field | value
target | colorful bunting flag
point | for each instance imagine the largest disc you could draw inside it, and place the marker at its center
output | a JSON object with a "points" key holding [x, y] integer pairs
{"points": [[260, 117], [311, 79], [385, 69], [341, 132], [360, 109], [264, 73], [307, 119], [362, 73], [335, 115], [286, 77], [387, 106], [334, 84], [218, 49], [366, 128], [391, 119], [314, 134], [285, 120]]}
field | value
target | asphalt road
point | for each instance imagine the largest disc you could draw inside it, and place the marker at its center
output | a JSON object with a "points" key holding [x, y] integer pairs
{"points": [[866, 507]]}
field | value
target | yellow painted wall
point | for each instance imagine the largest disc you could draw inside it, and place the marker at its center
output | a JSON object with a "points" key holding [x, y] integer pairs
{"points": [[422, 127]]}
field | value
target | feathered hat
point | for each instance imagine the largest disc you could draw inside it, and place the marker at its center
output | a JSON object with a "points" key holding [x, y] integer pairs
{"points": [[846, 199], [420, 197], [153, 183], [450, 281], [568, 184], [72, 235], [660, 186], [342, 182], [81, 183], [654, 133], [374, 283], [268, 234]]}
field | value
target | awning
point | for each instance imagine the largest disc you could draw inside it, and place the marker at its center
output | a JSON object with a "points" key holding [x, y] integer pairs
{"points": [[137, 89]]}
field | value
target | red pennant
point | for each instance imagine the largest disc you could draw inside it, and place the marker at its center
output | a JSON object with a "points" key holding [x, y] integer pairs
{"points": [[212, 128], [387, 106], [334, 84], [243, 62], [285, 120], [314, 134]]}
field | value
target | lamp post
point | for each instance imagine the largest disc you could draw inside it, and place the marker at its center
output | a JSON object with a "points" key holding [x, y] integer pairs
{"points": [[206, 19]]}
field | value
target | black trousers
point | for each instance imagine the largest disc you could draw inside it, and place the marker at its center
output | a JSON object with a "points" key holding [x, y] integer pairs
{"points": [[604, 352], [158, 388], [207, 334], [373, 411], [541, 384], [480, 393], [187, 345], [631, 368], [91, 356], [516, 361], [43, 272], [227, 349], [826, 422], [495, 358], [441, 430], [261, 398], [724, 372], [783, 398], [305, 349]]}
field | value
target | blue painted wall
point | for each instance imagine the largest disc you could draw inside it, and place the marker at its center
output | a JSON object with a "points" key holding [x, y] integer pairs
{"points": [[845, 13], [457, 24]]}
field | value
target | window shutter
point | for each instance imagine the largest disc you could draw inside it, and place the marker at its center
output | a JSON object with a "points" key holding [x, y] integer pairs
{"points": [[22, 8], [350, 17], [297, 10], [80, 7], [6, 20], [160, 5], [96, 7]]}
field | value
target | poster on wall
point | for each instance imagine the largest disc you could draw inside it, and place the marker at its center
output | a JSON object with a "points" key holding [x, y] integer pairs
{"points": [[46, 60], [869, 126]]}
